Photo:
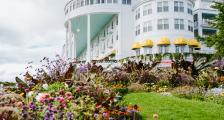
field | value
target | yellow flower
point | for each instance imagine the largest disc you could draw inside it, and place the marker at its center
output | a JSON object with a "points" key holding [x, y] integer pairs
{"points": [[222, 94], [21, 94]]}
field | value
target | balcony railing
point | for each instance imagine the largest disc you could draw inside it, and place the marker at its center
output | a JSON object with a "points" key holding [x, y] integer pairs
{"points": [[74, 4], [206, 22]]}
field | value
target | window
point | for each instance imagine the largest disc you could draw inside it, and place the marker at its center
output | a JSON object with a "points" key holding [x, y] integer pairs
{"points": [[115, 1], [104, 33], [71, 7], [147, 9], [109, 1], [137, 14], [180, 49], [74, 5], [163, 6], [78, 4], [82, 2], [137, 30], [128, 2], [163, 49], [190, 26], [189, 8], [112, 40], [163, 24], [147, 50], [178, 6], [117, 36], [98, 2], [191, 50], [147, 26], [91, 2], [112, 25], [179, 24], [102, 1]]}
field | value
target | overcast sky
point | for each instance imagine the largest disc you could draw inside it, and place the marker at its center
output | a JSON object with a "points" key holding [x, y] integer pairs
{"points": [[29, 31]]}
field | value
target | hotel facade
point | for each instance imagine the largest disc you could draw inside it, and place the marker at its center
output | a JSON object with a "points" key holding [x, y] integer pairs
{"points": [[117, 29]]}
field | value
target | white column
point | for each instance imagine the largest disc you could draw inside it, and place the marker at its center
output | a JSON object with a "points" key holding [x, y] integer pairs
{"points": [[200, 33], [119, 44], [75, 39], [88, 54], [69, 39]]}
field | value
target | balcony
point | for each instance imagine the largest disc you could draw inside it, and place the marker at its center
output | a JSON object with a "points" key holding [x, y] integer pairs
{"points": [[206, 22], [75, 4]]}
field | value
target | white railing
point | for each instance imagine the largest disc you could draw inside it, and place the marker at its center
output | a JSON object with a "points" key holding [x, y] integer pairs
{"points": [[206, 22], [74, 4]]}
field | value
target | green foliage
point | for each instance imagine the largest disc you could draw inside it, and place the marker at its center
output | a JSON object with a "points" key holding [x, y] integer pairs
{"points": [[217, 40], [55, 87], [8, 83], [207, 79], [84, 110]]}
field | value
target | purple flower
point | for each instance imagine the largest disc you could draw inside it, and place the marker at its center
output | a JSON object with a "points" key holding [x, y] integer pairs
{"points": [[69, 116], [49, 115], [105, 114], [26, 90], [24, 111], [95, 115], [219, 64], [82, 69], [32, 106]]}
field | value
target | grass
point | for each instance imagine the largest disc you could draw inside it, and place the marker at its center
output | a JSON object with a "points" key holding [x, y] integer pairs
{"points": [[173, 108]]}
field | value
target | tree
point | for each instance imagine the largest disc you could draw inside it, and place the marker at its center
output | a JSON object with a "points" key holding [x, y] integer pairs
{"points": [[217, 40]]}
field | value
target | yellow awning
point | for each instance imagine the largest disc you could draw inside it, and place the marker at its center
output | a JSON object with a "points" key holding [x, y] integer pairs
{"points": [[113, 52], [198, 47], [180, 41], [136, 45], [164, 41], [193, 43], [147, 43]]}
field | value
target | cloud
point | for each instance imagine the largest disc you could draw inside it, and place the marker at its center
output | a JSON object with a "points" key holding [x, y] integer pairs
{"points": [[29, 31]]}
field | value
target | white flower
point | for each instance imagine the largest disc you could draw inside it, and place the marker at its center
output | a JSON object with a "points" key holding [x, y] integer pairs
{"points": [[66, 85], [30, 93], [45, 86], [38, 96]]}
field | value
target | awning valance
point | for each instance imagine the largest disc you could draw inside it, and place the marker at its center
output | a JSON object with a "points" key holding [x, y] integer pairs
{"points": [[180, 41], [164, 41], [147, 43], [136, 45], [193, 43]]}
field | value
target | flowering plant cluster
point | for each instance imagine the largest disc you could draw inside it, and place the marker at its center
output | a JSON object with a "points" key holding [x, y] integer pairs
{"points": [[83, 101]]}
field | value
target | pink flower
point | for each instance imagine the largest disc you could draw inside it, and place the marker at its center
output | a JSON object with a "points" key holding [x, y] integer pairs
{"points": [[98, 106], [42, 97], [61, 99], [51, 99], [61, 92], [67, 94], [70, 97], [78, 88]]}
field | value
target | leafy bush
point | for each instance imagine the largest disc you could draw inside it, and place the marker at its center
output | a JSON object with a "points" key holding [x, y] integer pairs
{"points": [[135, 87], [207, 78]]}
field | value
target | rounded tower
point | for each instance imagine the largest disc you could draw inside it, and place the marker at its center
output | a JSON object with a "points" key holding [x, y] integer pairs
{"points": [[163, 26], [97, 29]]}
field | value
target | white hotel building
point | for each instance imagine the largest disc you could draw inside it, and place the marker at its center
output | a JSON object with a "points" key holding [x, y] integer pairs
{"points": [[116, 29]]}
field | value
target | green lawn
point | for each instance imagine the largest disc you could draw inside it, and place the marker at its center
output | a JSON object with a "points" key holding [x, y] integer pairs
{"points": [[173, 108]]}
